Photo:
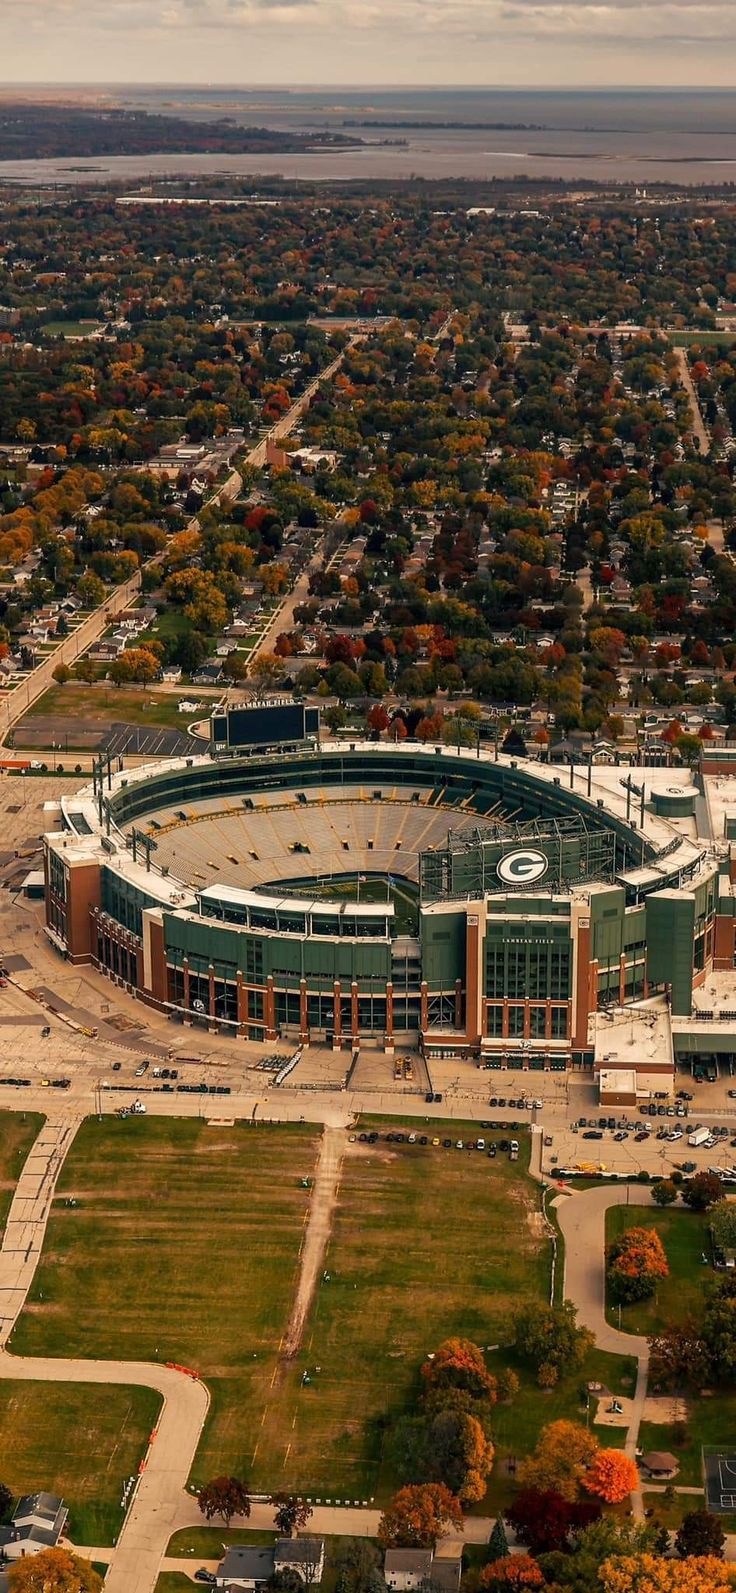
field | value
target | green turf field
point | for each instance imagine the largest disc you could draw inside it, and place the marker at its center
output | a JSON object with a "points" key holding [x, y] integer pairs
{"points": [[183, 1246], [79, 1441]]}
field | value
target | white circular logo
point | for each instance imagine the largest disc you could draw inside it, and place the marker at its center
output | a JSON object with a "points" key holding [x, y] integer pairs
{"points": [[522, 868]]}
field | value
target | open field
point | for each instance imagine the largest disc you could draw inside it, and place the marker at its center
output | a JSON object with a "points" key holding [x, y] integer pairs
{"points": [[702, 339], [684, 1235], [419, 1250], [18, 1130], [183, 1247], [102, 703], [68, 1439]]}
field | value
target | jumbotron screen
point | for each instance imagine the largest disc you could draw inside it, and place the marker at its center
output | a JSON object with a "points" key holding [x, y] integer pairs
{"points": [[265, 726]]}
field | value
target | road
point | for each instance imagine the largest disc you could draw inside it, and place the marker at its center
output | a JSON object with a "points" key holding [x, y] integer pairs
{"points": [[582, 1219], [698, 424]]}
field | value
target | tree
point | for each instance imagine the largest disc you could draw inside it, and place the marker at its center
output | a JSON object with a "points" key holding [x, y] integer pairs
{"points": [[647, 1573], [612, 1476], [498, 1543], [225, 1497], [90, 589], [718, 1329], [458, 1363], [290, 1513], [513, 1571], [62, 674], [357, 1562], [6, 1500], [53, 1571], [664, 1192], [679, 1354], [722, 1224], [562, 1456], [418, 1516], [266, 671], [577, 1570], [702, 1191], [700, 1533], [543, 1519], [548, 1334], [459, 1453], [508, 1385], [378, 718], [635, 1263]]}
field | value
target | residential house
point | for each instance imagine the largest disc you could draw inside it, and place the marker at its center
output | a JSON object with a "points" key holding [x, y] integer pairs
{"points": [[38, 1522], [245, 1567], [445, 1574], [306, 1556], [248, 1568], [406, 1569], [210, 674]]}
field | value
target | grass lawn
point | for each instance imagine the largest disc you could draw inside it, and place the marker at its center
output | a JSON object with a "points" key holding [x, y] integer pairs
{"points": [[18, 1130], [209, 1542], [684, 1235], [77, 1441], [183, 1247], [710, 1421], [419, 1251], [104, 703], [174, 1582]]}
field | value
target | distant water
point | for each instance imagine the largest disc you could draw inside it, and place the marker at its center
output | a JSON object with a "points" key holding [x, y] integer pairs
{"points": [[636, 136]]}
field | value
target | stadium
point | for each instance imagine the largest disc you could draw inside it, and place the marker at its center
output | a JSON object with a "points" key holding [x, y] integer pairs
{"points": [[348, 894]]}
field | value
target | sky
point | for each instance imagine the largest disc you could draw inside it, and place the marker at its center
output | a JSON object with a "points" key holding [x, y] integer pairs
{"points": [[542, 43]]}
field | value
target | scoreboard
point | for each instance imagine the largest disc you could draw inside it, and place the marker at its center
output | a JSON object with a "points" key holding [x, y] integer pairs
{"points": [[274, 725]]}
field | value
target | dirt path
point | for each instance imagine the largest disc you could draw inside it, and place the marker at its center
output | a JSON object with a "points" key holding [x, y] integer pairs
{"points": [[698, 424], [318, 1230]]}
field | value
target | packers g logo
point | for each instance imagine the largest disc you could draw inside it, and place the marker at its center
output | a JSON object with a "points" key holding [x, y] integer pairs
{"points": [[522, 868]]}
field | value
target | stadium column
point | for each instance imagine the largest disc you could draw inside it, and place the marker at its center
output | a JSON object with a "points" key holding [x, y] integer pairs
{"points": [[424, 1005], [584, 978], [242, 999], [211, 1002], [475, 933], [337, 1017], [269, 1009], [354, 1023], [303, 1018], [185, 972], [389, 1042]]}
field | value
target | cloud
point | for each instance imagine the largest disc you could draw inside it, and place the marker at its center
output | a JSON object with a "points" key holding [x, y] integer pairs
{"points": [[390, 41]]}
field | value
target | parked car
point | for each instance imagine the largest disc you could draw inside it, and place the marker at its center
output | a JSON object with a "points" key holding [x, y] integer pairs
{"points": [[141, 1069]]}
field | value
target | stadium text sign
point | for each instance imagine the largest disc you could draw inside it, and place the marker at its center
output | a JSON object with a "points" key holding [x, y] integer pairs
{"points": [[522, 867]]}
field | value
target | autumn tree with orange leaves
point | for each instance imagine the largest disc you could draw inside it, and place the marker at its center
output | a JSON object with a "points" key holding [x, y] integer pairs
{"points": [[635, 1264], [563, 1455], [418, 1516], [645, 1573], [514, 1571], [612, 1476], [458, 1363]]}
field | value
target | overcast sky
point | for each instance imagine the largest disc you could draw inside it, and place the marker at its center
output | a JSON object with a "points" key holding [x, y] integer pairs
{"points": [[315, 42]]}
